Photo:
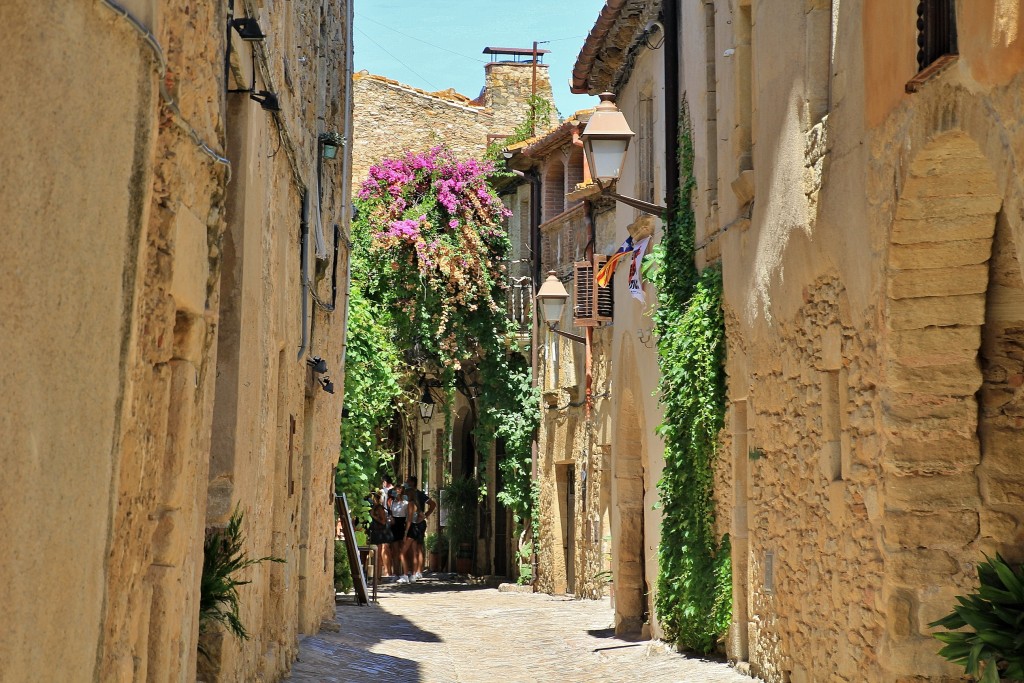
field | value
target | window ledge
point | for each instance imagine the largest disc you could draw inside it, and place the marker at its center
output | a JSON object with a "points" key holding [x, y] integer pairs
{"points": [[928, 73]]}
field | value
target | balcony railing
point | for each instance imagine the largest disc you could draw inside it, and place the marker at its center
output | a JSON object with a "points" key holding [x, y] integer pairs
{"points": [[563, 241]]}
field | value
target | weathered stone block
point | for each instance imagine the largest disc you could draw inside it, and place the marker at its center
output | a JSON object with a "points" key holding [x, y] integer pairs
{"points": [[909, 314], [1000, 525], [909, 230], [940, 529], [191, 268], [936, 345], [1000, 490], [904, 412], [941, 453], [939, 254], [943, 207], [1003, 453], [931, 492], [959, 379], [917, 568], [901, 613], [907, 284]]}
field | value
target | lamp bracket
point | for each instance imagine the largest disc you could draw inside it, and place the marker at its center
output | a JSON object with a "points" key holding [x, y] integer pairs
{"points": [[646, 207], [579, 339]]}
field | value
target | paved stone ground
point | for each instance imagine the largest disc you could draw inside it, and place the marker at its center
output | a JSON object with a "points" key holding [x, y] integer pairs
{"points": [[437, 631]]}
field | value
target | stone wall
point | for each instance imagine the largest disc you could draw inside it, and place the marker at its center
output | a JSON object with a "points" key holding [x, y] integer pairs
{"points": [[115, 321], [392, 118], [872, 297], [507, 90]]}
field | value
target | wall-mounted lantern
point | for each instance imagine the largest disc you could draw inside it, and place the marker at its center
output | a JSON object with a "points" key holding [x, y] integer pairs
{"points": [[330, 143], [248, 29], [426, 404], [605, 142], [551, 300], [268, 100]]}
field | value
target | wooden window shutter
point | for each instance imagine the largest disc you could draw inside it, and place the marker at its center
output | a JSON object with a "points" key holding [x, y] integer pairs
{"points": [[583, 313], [605, 303], [593, 305]]}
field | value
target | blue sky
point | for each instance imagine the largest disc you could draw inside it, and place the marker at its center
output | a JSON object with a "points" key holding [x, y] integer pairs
{"points": [[438, 44]]}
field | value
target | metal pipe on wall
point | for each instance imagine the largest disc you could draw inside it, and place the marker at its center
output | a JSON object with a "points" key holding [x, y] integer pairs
{"points": [[304, 256], [670, 20]]}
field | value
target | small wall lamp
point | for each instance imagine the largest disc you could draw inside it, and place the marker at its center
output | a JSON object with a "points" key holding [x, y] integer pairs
{"points": [[248, 29], [268, 100], [551, 299], [318, 364], [426, 405], [605, 141], [330, 143]]}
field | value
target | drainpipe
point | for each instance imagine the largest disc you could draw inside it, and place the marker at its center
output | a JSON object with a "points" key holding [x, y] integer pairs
{"points": [[670, 20], [535, 248], [304, 255]]}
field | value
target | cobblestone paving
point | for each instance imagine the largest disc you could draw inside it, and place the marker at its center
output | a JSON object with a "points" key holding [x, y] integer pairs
{"points": [[446, 632]]}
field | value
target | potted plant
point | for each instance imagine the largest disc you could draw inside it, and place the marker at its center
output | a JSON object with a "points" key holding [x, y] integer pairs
{"points": [[460, 499], [437, 546], [988, 625]]}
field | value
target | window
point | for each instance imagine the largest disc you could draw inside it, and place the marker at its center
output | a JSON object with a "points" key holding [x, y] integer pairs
{"points": [[645, 140], [936, 31]]}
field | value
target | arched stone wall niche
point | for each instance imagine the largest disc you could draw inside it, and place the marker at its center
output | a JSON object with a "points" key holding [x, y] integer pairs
{"points": [[951, 423]]}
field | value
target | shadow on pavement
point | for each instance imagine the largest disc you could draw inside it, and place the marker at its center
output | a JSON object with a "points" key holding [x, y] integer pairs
{"points": [[601, 632], [322, 660]]}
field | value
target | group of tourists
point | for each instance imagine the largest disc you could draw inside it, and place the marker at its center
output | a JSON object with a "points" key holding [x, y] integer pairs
{"points": [[399, 515]]}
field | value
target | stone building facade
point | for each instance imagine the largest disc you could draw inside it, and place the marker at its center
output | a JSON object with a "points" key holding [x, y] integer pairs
{"points": [[170, 267], [392, 118], [572, 467], [865, 204], [614, 57]]}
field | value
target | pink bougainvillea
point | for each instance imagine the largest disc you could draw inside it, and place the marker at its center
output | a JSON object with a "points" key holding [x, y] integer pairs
{"points": [[430, 234]]}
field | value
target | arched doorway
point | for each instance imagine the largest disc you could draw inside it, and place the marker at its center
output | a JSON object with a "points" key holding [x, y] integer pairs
{"points": [[628, 492], [954, 331]]}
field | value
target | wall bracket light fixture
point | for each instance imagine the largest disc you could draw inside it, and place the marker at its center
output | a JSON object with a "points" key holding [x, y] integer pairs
{"points": [[268, 100], [605, 141], [248, 29]]}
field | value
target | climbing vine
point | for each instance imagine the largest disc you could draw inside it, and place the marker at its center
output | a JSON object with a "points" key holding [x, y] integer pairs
{"points": [[694, 598], [372, 391], [431, 257]]}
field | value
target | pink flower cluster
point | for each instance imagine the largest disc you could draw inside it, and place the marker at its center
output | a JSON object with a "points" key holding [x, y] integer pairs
{"points": [[435, 226]]}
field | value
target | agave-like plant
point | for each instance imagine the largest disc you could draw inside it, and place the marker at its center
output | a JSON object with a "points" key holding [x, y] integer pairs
{"points": [[993, 648], [223, 560]]}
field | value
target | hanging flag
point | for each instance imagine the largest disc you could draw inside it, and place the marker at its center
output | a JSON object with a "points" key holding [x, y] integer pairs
{"points": [[604, 276], [636, 287]]}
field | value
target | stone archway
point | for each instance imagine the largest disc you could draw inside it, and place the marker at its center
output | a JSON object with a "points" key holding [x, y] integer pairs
{"points": [[938, 277], [628, 462]]}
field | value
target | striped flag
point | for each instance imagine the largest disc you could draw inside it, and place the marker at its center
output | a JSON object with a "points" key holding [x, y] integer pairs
{"points": [[604, 276]]}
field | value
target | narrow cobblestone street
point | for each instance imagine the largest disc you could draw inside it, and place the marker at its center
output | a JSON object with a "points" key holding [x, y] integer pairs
{"points": [[433, 632]]}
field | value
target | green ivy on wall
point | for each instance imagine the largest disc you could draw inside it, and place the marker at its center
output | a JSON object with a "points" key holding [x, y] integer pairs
{"points": [[372, 392], [694, 598]]}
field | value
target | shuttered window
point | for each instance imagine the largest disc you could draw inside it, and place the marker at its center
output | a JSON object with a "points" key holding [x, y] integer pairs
{"points": [[936, 31], [593, 305]]}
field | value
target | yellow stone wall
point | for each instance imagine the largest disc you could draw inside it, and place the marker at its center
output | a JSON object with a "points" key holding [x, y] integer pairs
{"points": [[871, 454], [118, 241]]}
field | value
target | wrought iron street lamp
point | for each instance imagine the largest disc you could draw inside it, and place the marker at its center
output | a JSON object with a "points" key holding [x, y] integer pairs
{"points": [[551, 299], [426, 404], [605, 142]]}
